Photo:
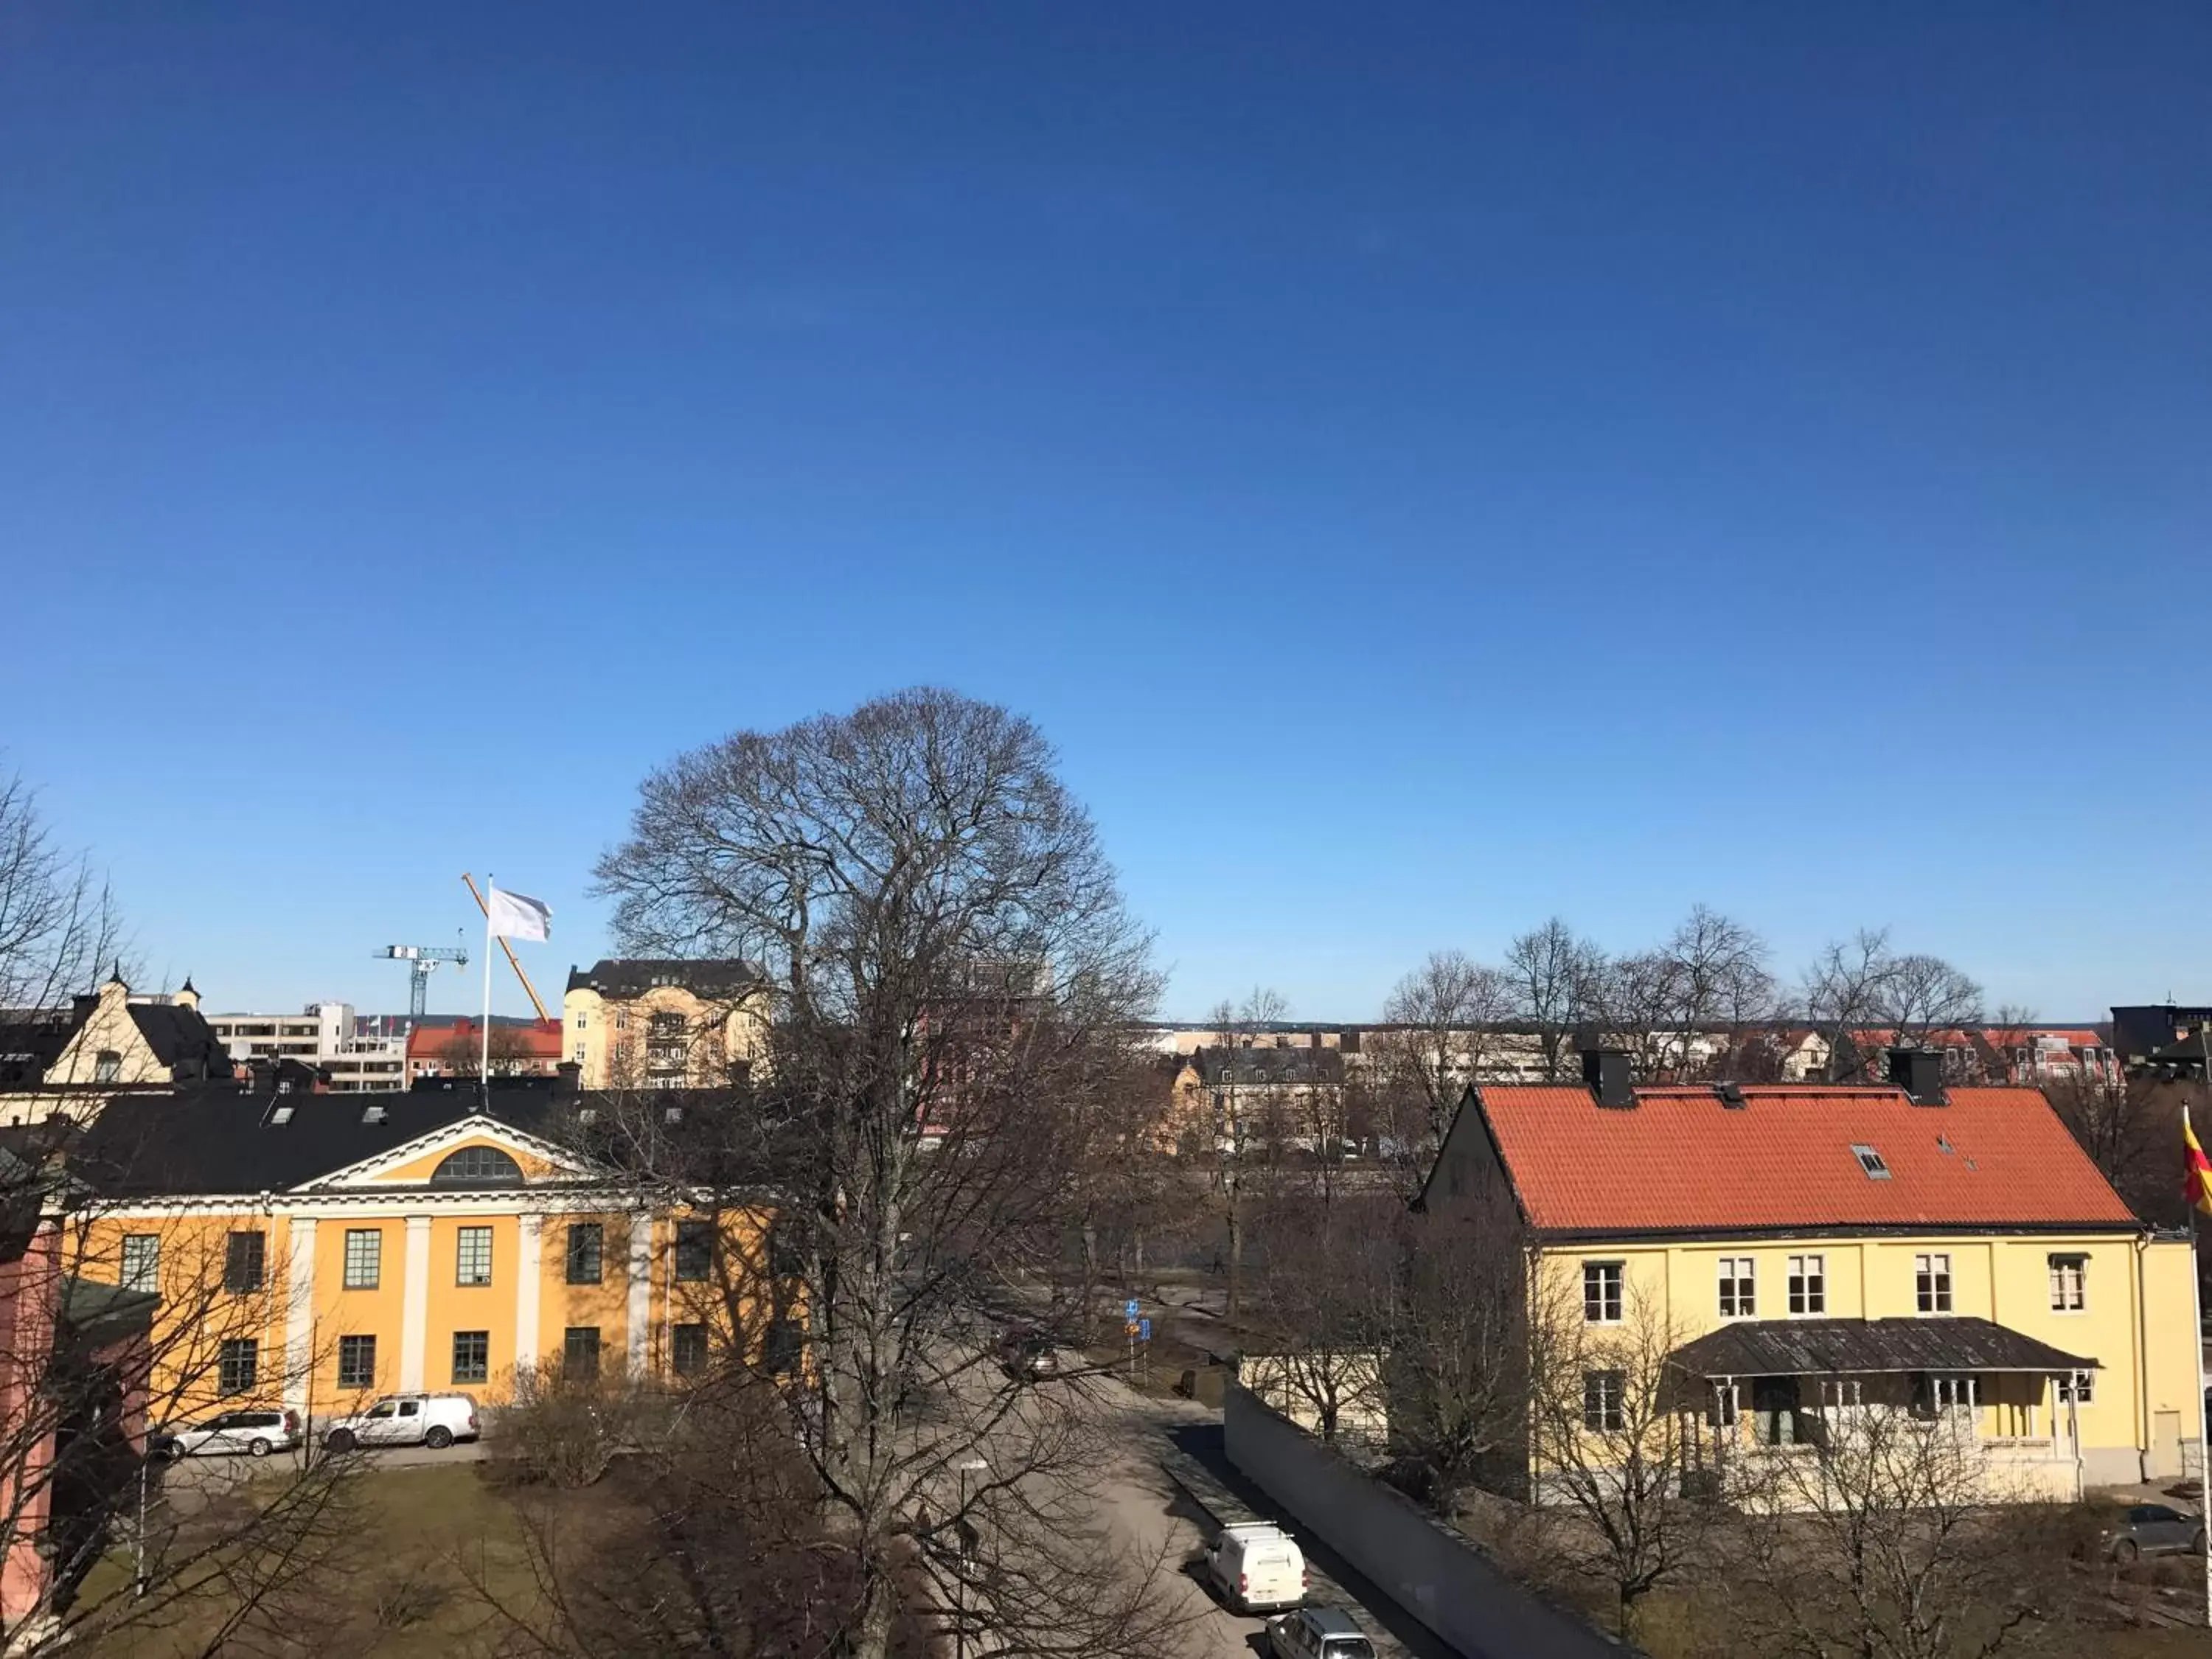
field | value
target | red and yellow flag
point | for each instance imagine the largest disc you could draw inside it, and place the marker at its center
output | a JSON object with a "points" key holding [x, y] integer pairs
{"points": [[2198, 1187]]}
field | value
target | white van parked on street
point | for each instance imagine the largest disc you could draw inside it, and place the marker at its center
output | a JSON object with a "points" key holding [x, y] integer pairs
{"points": [[1257, 1567], [435, 1420]]}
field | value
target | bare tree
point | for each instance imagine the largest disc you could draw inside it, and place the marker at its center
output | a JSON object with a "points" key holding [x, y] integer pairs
{"points": [[1861, 984], [1888, 1535], [462, 1054], [1323, 1302], [1725, 982], [1458, 1340], [1248, 1127], [100, 1341], [954, 976], [58, 925], [1610, 1441], [1637, 1001], [1554, 976], [1442, 1018]]}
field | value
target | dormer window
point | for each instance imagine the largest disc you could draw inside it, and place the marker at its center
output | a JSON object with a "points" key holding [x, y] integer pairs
{"points": [[477, 1166]]}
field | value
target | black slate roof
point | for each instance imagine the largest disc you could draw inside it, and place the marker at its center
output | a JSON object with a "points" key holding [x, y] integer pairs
{"points": [[1269, 1066], [1847, 1347], [223, 1139], [631, 976], [179, 1037]]}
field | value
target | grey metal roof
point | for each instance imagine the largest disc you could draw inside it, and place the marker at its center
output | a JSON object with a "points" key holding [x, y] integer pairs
{"points": [[1861, 1347]]}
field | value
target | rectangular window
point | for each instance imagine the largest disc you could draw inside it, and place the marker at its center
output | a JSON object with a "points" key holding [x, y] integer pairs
{"points": [[1842, 1394], [1739, 1287], [237, 1366], [586, 1251], [356, 1362], [471, 1355], [245, 1260], [2077, 1388], [695, 1249], [688, 1351], [142, 1262], [579, 1351], [2070, 1277], [1931, 1282], [472, 1257], [1727, 1402], [1939, 1393], [1808, 1284], [1601, 1292], [1870, 1161], [1603, 1401], [364, 1258]]}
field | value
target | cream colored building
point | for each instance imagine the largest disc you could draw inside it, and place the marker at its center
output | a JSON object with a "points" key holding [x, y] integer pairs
{"points": [[114, 1039], [646, 1023]]}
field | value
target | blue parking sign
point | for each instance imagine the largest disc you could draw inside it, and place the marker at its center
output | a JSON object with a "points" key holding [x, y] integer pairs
{"points": [[1129, 1309], [1144, 1330]]}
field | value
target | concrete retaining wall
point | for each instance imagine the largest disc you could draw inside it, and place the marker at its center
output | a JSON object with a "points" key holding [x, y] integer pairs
{"points": [[1430, 1571]]}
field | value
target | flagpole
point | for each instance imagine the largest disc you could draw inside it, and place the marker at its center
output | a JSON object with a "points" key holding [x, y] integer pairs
{"points": [[483, 1067]]}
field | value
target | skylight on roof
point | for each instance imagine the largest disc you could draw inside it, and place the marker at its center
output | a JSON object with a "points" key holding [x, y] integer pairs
{"points": [[1870, 1161]]}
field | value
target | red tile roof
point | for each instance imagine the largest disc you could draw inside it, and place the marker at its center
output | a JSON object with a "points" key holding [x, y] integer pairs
{"points": [[1681, 1161]]}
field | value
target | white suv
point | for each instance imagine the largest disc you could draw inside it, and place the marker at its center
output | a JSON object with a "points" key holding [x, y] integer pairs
{"points": [[435, 1420]]}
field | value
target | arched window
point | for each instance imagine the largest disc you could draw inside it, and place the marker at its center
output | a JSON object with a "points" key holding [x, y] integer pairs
{"points": [[477, 1166]]}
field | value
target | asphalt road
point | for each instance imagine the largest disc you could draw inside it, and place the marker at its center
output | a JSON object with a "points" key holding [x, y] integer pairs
{"points": [[1148, 1506]]}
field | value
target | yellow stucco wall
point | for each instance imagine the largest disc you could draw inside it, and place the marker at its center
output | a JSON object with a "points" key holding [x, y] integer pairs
{"points": [[2138, 1329], [606, 1037], [298, 1318]]}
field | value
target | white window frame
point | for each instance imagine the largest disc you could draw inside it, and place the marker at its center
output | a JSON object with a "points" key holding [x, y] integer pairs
{"points": [[1739, 1287], [2070, 1281], [1807, 1285], [2075, 1389], [1931, 1282], [1606, 1402], [1610, 1309]]}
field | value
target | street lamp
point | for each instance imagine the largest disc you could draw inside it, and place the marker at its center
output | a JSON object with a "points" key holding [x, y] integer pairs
{"points": [[963, 1532]]}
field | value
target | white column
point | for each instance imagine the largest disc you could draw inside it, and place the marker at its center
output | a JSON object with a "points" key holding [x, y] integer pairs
{"points": [[300, 1318], [414, 1306], [531, 1269], [641, 1290]]}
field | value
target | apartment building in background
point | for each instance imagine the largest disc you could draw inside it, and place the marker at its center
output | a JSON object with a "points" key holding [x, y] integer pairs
{"points": [[649, 1022], [352, 1054]]}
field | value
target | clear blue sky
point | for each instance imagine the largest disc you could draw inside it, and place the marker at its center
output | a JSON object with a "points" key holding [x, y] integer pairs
{"points": [[1427, 468]]}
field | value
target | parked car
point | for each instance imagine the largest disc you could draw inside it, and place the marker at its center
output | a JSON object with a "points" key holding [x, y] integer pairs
{"points": [[1257, 1567], [1026, 1352], [435, 1420], [256, 1433], [2154, 1529], [1318, 1633]]}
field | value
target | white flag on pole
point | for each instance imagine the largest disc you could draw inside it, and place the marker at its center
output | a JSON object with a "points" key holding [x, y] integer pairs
{"points": [[516, 915]]}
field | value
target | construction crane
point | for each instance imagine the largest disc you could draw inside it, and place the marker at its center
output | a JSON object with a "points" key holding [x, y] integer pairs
{"points": [[529, 990], [422, 962]]}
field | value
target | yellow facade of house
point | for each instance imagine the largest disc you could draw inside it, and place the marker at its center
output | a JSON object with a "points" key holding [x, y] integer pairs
{"points": [[665, 1036], [2122, 1299], [390, 1277]]}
